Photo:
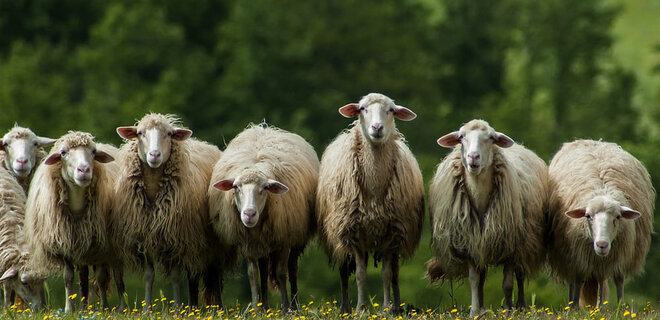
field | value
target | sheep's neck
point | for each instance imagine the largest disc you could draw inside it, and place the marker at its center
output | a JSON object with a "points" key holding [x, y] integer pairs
{"points": [[376, 163], [479, 188], [77, 198], [152, 180]]}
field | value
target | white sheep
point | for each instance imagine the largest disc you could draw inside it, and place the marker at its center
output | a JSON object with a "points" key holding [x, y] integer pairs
{"points": [[21, 151], [487, 203], [13, 251], [267, 212], [601, 213], [370, 197], [161, 207], [67, 212]]}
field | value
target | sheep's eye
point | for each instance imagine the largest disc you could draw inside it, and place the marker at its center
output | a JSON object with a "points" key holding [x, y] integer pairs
{"points": [[460, 136], [392, 110], [62, 152], [618, 217], [36, 143], [169, 134], [139, 133], [361, 108], [588, 216], [94, 151]]}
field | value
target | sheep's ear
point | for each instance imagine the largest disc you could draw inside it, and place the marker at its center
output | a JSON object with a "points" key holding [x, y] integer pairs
{"points": [[449, 140], [276, 187], [403, 113], [224, 185], [10, 273], [629, 213], [103, 157], [127, 133], [181, 134], [350, 110], [501, 140], [53, 158], [576, 213], [45, 142]]}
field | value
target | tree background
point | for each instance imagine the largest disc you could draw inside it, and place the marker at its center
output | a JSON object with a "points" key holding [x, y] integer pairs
{"points": [[543, 72]]}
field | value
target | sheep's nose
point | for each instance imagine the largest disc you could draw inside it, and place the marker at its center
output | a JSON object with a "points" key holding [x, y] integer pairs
{"points": [[602, 244], [154, 154], [378, 127], [250, 212], [474, 156], [83, 169], [21, 160]]}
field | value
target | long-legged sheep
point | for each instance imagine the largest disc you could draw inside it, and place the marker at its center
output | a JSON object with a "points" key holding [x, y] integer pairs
{"points": [[161, 207], [67, 212], [21, 151], [13, 254], [488, 201], [370, 197], [601, 213], [266, 227]]}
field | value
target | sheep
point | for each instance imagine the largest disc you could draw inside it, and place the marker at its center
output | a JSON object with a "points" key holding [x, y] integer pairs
{"points": [[13, 254], [487, 206], [67, 212], [370, 197], [601, 214], [161, 207], [274, 225], [21, 151]]}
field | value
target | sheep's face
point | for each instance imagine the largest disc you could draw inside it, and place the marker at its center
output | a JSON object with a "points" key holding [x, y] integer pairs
{"points": [[376, 113], [31, 290], [477, 140], [78, 162], [154, 140], [21, 146], [604, 216], [251, 191]]}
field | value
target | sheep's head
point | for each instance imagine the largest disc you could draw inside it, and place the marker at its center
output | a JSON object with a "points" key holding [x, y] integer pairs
{"points": [[250, 193], [477, 139], [376, 113], [21, 146], [604, 216], [29, 288], [155, 133], [77, 152]]}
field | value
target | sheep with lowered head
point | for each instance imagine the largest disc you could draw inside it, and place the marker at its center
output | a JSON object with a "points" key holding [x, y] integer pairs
{"points": [[21, 151], [67, 212], [487, 202], [370, 197], [269, 179], [161, 207], [601, 213], [13, 254]]}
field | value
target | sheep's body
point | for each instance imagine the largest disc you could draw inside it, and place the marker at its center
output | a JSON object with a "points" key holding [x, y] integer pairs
{"points": [[12, 242], [369, 198], [287, 220], [510, 232], [579, 172]]}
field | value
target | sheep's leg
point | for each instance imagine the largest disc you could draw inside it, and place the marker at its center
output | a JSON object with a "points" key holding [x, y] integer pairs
{"points": [[175, 277], [618, 282], [68, 287], [253, 275], [396, 295], [344, 272], [101, 276], [574, 293], [361, 279], [507, 287], [520, 280], [263, 285], [83, 282], [281, 273], [118, 273], [148, 284], [386, 274], [213, 286], [193, 290], [293, 276], [8, 295], [476, 278]]}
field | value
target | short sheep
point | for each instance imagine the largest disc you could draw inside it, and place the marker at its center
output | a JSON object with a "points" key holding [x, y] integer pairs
{"points": [[370, 197], [263, 226], [161, 207], [13, 254], [601, 213], [67, 212], [21, 151], [487, 204]]}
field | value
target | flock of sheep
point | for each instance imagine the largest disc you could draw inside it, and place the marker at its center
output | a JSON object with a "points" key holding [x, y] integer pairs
{"points": [[164, 198]]}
